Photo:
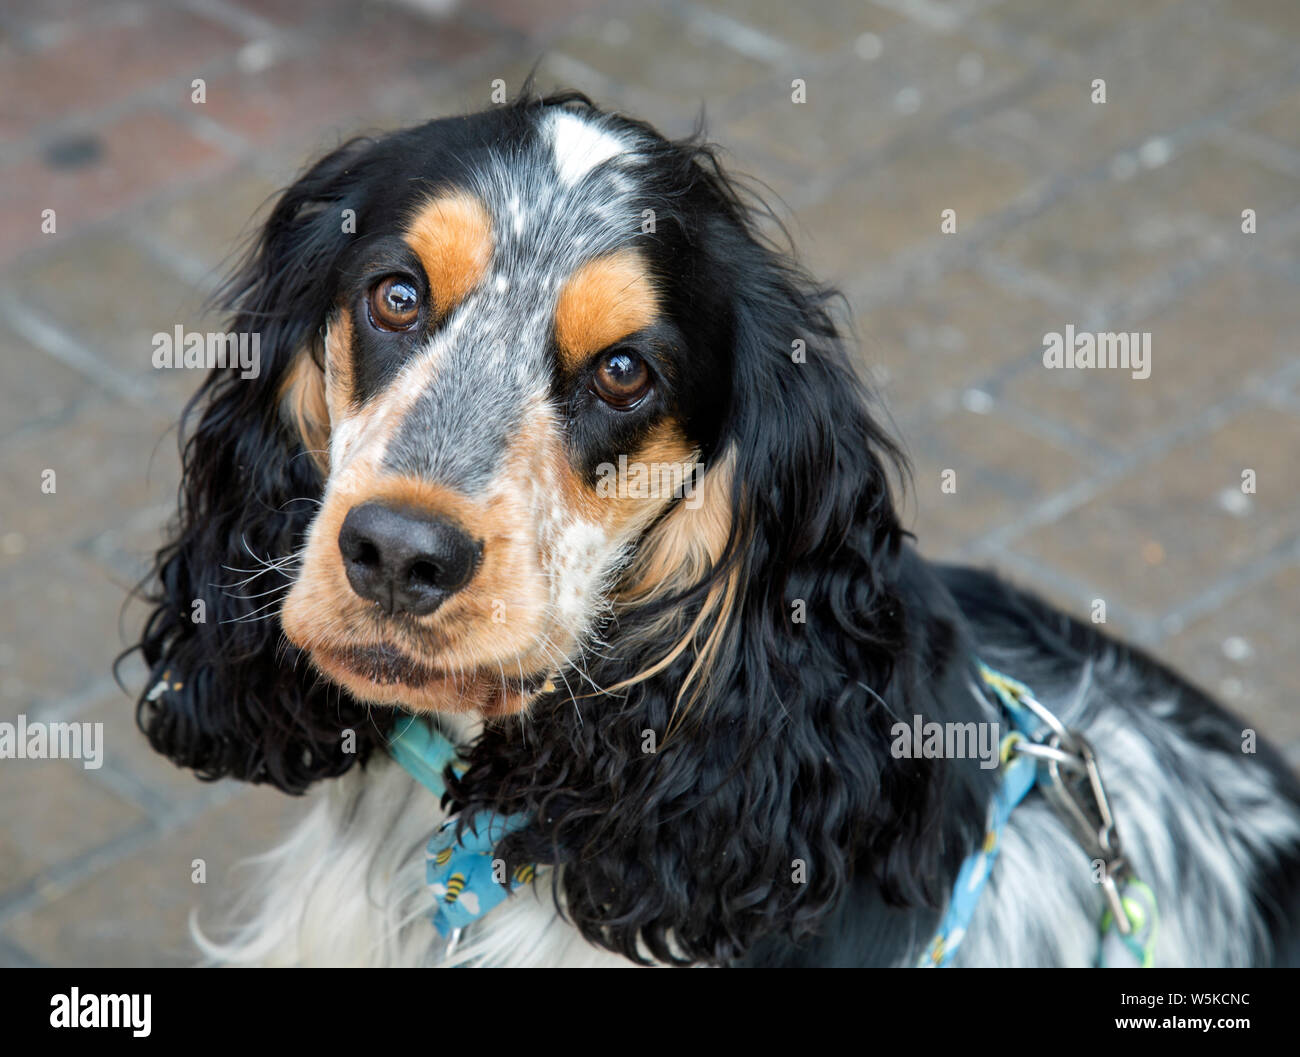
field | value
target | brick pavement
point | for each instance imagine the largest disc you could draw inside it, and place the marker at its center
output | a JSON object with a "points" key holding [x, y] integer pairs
{"points": [[1086, 485]]}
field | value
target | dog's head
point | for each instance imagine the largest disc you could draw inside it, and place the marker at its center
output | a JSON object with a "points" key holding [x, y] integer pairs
{"points": [[514, 362], [542, 424]]}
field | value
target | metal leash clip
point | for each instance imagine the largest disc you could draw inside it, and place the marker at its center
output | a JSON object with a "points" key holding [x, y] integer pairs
{"points": [[1074, 788]]}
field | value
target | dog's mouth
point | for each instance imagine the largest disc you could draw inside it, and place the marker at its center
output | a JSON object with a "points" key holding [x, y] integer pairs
{"points": [[388, 675]]}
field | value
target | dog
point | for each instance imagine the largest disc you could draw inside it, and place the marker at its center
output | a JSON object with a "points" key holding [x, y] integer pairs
{"points": [[558, 532]]}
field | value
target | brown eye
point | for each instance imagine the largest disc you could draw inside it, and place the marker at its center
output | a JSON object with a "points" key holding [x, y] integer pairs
{"points": [[622, 378], [394, 304]]}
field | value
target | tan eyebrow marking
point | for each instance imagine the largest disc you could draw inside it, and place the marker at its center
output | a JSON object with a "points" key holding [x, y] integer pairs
{"points": [[602, 302], [452, 236]]}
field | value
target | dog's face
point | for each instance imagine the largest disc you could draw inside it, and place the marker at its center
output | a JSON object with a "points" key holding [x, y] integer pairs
{"points": [[522, 369]]}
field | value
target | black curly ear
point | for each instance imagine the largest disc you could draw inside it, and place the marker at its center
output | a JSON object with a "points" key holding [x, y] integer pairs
{"points": [[750, 817], [226, 695]]}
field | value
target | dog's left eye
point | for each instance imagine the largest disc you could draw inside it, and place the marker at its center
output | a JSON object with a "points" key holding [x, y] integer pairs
{"points": [[394, 304], [622, 378]]}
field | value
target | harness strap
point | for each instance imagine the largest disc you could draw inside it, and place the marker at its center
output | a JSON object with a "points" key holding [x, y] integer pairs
{"points": [[1019, 774], [1035, 753]]}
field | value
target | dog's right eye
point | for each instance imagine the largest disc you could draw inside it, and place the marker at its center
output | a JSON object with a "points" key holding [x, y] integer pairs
{"points": [[394, 304]]}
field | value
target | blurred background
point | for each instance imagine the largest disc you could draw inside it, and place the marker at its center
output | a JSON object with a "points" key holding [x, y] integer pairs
{"points": [[1085, 485]]}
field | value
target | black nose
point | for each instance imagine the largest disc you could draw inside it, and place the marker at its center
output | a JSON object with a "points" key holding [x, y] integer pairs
{"points": [[405, 561]]}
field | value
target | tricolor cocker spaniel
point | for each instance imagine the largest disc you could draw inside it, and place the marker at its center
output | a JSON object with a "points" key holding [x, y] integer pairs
{"points": [[557, 513]]}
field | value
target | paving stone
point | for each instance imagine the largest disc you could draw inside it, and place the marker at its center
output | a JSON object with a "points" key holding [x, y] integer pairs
{"points": [[1244, 654], [999, 470], [76, 815], [1172, 529], [664, 64], [821, 29], [86, 71], [300, 15], [51, 19], [473, 90], [210, 224], [306, 103], [536, 19], [135, 912], [132, 768], [1284, 257], [13, 956], [1075, 29], [141, 153], [1223, 335], [1278, 18], [881, 211], [299, 104], [858, 104], [1107, 239], [36, 389], [404, 45], [59, 628], [112, 297], [105, 471], [945, 335], [1279, 120], [1166, 73]]}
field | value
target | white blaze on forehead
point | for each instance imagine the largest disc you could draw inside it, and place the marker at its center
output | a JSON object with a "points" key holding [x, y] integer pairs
{"points": [[579, 146]]}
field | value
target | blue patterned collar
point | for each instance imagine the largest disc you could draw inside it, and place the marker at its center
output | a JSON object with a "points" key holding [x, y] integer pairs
{"points": [[466, 879]]}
